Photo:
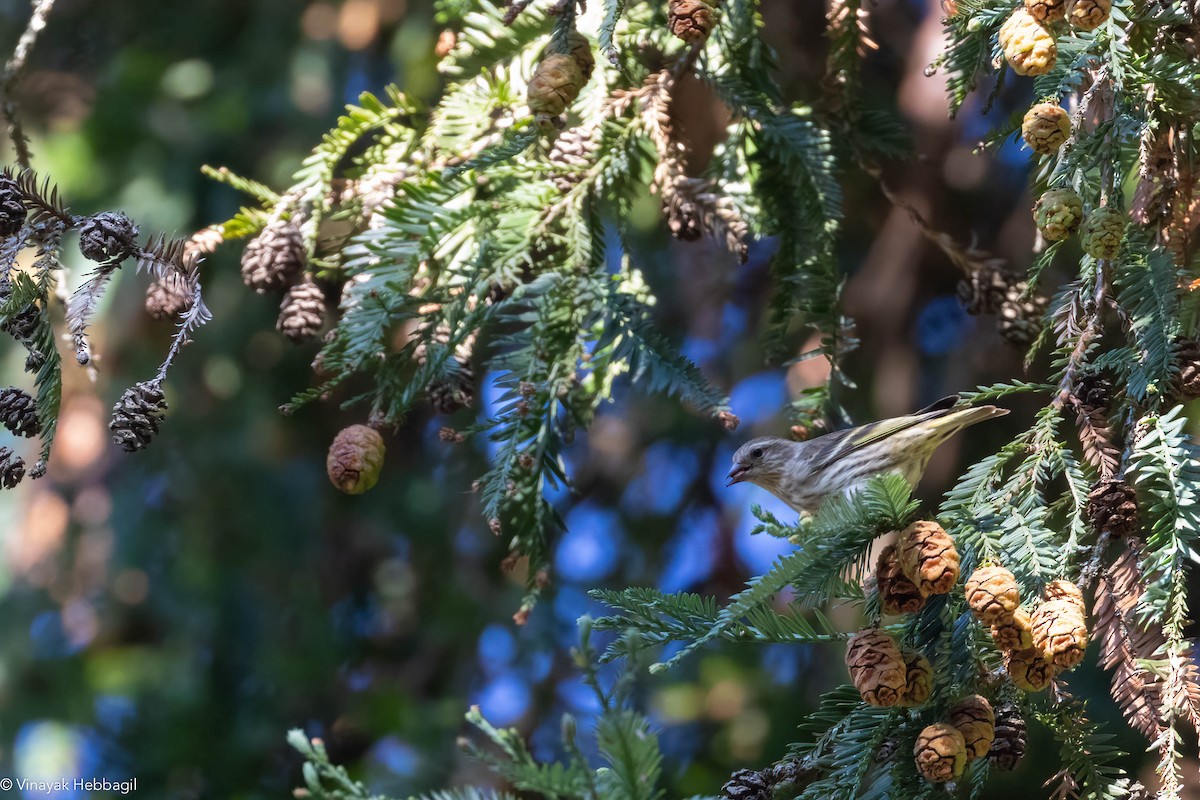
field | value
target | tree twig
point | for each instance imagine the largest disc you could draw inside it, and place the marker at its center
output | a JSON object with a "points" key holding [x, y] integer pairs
{"points": [[12, 73]]}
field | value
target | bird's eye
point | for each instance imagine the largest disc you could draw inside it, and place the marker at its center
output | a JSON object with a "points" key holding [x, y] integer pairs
{"points": [[756, 452]]}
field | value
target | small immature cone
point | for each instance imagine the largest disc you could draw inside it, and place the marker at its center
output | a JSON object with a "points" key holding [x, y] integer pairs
{"points": [[555, 84], [1087, 15], [302, 312], [273, 258], [137, 416], [108, 236], [918, 678], [1014, 633], [18, 412], [167, 297], [1028, 670], [12, 468], [1060, 632], [355, 459], [1046, 10], [691, 20], [897, 594], [1102, 233], [1058, 213], [1011, 738], [876, 667], [928, 557], [940, 752], [1045, 127], [1028, 47], [975, 720], [993, 594]]}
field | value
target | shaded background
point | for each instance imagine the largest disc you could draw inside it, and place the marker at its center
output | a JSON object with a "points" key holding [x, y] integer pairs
{"points": [[169, 615]]}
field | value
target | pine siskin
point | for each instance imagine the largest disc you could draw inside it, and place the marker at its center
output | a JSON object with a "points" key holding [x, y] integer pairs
{"points": [[804, 474]]}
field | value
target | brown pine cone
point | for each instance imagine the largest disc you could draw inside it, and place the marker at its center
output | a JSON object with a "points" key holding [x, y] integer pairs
{"points": [[108, 236], [876, 667], [355, 459], [274, 258], [1093, 391], [1060, 633], [918, 678], [137, 415], [556, 82], [1060, 589], [1021, 317], [1045, 128], [691, 20], [302, 312], [928, 557], [12, 468], [993, 594], [1087, 15], [580, 48], [1014, 633], [12, 207], [897, 594], [985, 290], [940, 752], [167, 297], [1187, 351], [1011, 738], [203, 242], [747, 784], [18, 412], [455, 391], [975, 720], [23, 324], [1028, 47], [1028, 670], [1046, 10], [1112, 506]]}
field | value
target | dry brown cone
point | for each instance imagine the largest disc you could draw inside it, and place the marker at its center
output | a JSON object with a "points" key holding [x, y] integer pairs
{"points": [[691, 20], [1014, 633], [1046, 10], [1188, 353], [975, 720], [876, 667], [167, 297], [556, 82], [1020, 317], [897, 594], [940, 752], [274, 258], [993, 594], [302, 312], [928, 557], [1093, 391], [918, 678], [1112, 506], [1011, 738], [1028, 670], [1060, 632], [984, 290]]}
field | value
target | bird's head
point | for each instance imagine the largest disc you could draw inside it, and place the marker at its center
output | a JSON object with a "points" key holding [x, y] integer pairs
{"points": [[761, 461]]}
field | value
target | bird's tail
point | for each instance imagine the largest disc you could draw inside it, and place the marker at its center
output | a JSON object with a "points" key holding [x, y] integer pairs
{"points": [[953, 420]]}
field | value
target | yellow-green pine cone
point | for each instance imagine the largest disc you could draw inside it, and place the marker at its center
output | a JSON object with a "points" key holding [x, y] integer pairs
{"points": [[1014, 633], [940, 752], [555, 84], [691, 20], [975, 720], [1102, 233], [1028, 670], [876, 667], [1046, 10], [580, 48], [1087, 15], [1060, 632], [918, 678], [1045, 128], [355, 459], [1065, 590], [993, 594], [1058, 213], [928, 557], [1028, 47], [897, 594]]}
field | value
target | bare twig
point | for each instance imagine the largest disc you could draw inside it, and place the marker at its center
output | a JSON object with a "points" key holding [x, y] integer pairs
{"points": [[12, 73]]}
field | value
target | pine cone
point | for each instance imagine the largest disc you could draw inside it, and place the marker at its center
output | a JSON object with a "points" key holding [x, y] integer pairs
{"points": [[1093, 391], [1028, 47], [108, 236], [22, 325], [897, 594], [1046, 10], [203, 242], [918, 678], [691, 20], [1060, 632], [1087, 15], [137, 415], [1020, 316], [1102, 233], [876, 667], [1112, 506], [12, 468], [1058, 213], [993, 594], [355, 459], [928, 557], [940, 752], [747, 784], [1065, 590], [1045, 128], [1028, 670], [1014, 633], [555, 84], [12, 207], [1011, 738], [167, 297], [985, 290], [273, 258], [18, 412], [1187, 352], [456, 391], [975, 720], [580, 48], [302, 312]]}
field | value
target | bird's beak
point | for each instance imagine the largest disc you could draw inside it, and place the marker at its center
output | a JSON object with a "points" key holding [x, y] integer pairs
{"points": [[736, 475]]}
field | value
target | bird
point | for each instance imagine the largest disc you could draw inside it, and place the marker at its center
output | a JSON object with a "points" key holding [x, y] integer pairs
{"points": [[805, 474]]}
